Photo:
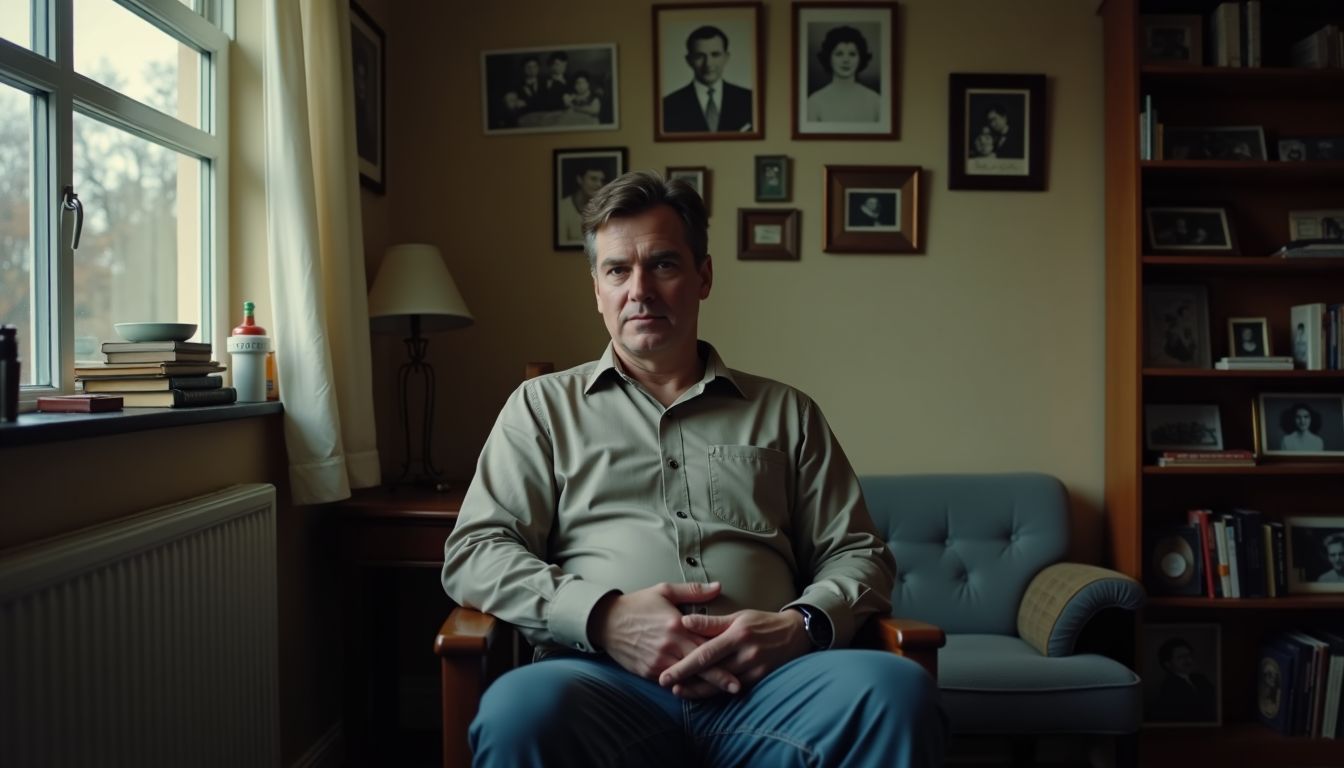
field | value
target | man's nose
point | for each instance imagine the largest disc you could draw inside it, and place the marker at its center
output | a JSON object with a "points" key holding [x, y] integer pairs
{"points": [[640, 282]]}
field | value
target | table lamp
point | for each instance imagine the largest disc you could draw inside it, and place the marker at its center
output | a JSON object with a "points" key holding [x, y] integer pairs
{"points": [[414, 283]]}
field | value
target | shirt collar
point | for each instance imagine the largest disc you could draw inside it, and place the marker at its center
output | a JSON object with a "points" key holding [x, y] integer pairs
{"points": [[714, 369], [701, 89]]}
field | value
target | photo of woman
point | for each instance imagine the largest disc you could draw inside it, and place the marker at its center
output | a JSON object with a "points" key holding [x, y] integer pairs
{"points": [[844, 54], [1296, 424], [844, 78]]}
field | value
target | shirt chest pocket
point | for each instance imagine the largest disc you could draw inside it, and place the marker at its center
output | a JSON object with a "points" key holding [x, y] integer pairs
{"points": [[748, 486]]}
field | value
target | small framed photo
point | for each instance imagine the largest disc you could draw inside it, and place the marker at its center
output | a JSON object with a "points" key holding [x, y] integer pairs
{"points": [[1180, 665], [1197, 230], [1315, 554], [1170, 427], [369, 57], [996, 133], [844, 71], [1316, 225], [548, 90], [1228, 142], [873, 209], [1176, 326], [773, 181], [1298, 424], [707, 64], [578, 175], [1300, 148], [1248, 337], [767, 234], [1172, 38], [695, 175]]}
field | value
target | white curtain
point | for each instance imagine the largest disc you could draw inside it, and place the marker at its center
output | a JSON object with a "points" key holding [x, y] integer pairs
{"points": [[316, 243]]}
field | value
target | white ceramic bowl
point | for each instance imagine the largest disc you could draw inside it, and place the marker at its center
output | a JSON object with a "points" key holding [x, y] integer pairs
{"points": [[156, 331]]}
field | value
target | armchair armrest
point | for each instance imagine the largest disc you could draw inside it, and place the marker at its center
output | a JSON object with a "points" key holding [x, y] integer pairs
{"points": [[473, 648], [916, 640], [1064, 597]]}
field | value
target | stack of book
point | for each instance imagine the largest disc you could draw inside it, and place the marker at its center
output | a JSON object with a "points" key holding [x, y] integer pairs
{"points": [[1230, 458], [1266, 363], [1299, 683], [1234, 34], [1322, 49], [157, 374]]}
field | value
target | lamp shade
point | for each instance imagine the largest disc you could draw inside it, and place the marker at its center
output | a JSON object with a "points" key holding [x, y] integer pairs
{"points": [[414, 281]]}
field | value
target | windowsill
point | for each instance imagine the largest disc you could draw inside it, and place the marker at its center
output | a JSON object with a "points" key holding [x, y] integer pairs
{"points": [[33, 428]]}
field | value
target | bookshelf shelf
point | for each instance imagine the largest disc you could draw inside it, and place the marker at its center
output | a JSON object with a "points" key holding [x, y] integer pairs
{"points": [[1287, 603], [1210, 373], [1249, 264], [1242, 171], [1320, 469], [1240, 82]]}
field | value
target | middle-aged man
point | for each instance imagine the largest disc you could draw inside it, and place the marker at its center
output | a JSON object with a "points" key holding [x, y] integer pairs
{"points": [[1334, 553], [708, 103], [677, 538]]}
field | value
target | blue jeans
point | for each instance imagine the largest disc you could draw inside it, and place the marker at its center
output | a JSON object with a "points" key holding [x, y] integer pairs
{"points": [[832, 708]]}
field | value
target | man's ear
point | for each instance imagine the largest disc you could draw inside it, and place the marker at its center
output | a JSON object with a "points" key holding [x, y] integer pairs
{"points": [[706, 271]]}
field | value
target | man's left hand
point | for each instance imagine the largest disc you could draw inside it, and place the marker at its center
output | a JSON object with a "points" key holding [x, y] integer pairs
{"points": [[750, 644]]}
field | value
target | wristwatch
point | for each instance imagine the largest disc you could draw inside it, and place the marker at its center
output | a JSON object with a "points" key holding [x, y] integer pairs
{"points": [[816, 625]]}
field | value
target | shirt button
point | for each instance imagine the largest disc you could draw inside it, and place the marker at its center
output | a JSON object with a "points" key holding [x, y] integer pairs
{"points": [[673, 463], [681, 514], [692, 561]]}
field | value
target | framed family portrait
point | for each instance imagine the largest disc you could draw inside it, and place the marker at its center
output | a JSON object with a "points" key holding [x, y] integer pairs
{"points": [[695, 175], [844, 71], [1248, 337], [767, 234], [1316, 225], [368, 57], [707, 64], [1176, 326], [1172, 38], [1205, 230], [1179, 665], [558, 88], [1300, 425], [773, 181], [1173, 427], [1224, 142], [873, 209], [996, 133], [578, 175], [1315, 554]]}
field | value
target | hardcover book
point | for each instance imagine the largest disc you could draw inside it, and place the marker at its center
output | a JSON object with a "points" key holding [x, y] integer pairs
{"points": [[180, 398], [151, 383], [1275, 674], [156, 346], [78, 403], [104, 370], [159, 357]]}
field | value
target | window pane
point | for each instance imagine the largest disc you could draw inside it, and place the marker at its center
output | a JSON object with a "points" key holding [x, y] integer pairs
{"points": [[16, 231], [16, 22], [139, 259], [127, 53]]}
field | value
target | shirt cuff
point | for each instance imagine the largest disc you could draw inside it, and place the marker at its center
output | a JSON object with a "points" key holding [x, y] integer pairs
{"points": [[837, 612], [569, 612]]}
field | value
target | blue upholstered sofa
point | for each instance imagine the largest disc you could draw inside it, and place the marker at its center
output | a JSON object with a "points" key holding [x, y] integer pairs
{"points": [[1034, 646]]}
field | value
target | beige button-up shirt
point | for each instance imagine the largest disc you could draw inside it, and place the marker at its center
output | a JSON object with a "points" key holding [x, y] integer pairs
{"points": [[587, 484]]}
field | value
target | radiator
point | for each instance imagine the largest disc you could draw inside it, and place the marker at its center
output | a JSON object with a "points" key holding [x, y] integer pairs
{"points": [[149, 641]]}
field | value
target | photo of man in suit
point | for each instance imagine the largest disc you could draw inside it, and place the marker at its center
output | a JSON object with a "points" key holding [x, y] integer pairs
{"points": [[708, 104]]}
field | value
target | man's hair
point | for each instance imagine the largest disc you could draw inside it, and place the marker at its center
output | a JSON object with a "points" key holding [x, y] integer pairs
{"points": [[638, 191], [707, 32], [1165, 650], [1335, 538], [839, 35], [558, 56]]}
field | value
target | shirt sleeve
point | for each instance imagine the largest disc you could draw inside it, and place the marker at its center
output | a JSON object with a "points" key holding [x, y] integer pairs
{"points": [[494, 559]]}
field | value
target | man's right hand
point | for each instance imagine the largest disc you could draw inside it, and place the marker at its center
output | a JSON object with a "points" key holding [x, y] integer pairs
{"points": [[643, 632]]}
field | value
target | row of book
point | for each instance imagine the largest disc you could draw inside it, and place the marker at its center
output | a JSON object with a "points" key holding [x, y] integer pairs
{"points": [[1221, 555], [157, 374], [1227, 458], [1322, 49], [1318, 336], [1234, 34], [1299, 683]]}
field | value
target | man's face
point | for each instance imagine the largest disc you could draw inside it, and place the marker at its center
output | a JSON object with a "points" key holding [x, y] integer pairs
{"points": [[591, 181], [997, 121], [1182, 661], [558, 67], [647, 286], [707, 58], [1335, 553], [871, 205], [531, 69]]}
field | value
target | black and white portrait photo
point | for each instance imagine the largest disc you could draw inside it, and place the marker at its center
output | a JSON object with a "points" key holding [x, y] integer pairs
{"points": [[1182, 427], [1297, 424], [1299, 148], [560, 88], [367, 57], [1315, 554], [772, 178], [1179, 666], [997, 133], [579, 174], [1189, 229], [1172, 38], [844, 78], [1176, 326], [873, 210], [1248, 337], [707, 66]]}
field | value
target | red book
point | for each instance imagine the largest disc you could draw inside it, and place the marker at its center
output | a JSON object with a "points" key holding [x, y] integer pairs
{"points": [[79, 403], [1200, 518]]}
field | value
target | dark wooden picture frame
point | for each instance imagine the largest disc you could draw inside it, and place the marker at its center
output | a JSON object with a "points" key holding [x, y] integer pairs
{"points": [[1313, 552], [1168, 38], [697, 176], [873, 209], [774, 179], [570, 168], [738, 69], [767, 234], [548, 100], [1243, 143], [831, 104], [1320, 434], [368, 50], [1203, 230], [996, 132]]}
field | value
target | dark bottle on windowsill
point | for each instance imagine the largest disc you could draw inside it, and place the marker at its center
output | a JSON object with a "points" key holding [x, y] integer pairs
{"points": [[9, 373]]}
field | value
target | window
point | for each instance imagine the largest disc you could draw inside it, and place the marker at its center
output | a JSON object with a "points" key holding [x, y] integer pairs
{"points": [[113, 119]]}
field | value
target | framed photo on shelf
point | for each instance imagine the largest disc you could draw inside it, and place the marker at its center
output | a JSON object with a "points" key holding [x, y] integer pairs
{"points": [[577, 175], [1315, 554], [1300, 424], [1224, 142], [767, 234], [1248, 337], [1176, 326], [551, 89], [873, 209], [1316, 225], [996, 132], [1190, 230], [369, 57], [1307, 148], [695, 175], [1172, 38], [844, 71], [701, 49], [773, 181], [1179, 665], [1180, 427]]}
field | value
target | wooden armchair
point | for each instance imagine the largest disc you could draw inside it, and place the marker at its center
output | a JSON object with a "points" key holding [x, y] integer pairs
{"points": [[474, 648]]}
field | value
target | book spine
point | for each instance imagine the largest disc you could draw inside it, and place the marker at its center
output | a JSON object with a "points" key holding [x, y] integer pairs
{"points": [[1267, 553], [1249, 550], [1200, 519], [1330, 721], [1233, 561], [221, 396], [1280, 557], [1253, 40], [1224, 564]]}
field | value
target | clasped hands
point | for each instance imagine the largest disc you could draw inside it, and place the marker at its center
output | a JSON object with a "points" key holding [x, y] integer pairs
{"points": [[695, 655]]}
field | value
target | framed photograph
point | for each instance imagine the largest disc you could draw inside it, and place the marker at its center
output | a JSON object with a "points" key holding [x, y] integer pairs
{"points": [[844, 71], [1297, 424], [773, 181], [1182, 428], [369, 56], [579, 174], [707, 64], [767, 234], [1172, 38], [695, 175], [1176, 326], [1316, 225], [1240, 142], [1315, 554], [996, 133], [1248, 337], [1199, 230], [1299, 148], [1179, 665], [559, 88], [873, 209]]}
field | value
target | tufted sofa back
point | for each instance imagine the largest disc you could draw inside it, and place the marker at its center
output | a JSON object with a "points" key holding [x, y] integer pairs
{"points": [[967, 545]]}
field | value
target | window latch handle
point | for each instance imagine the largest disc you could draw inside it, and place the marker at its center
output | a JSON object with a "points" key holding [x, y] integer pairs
{"points": [[70, 202]]}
